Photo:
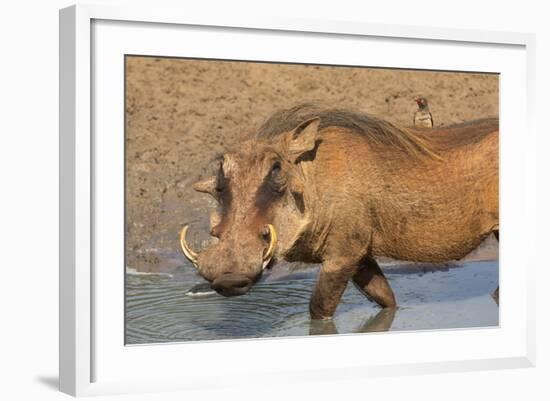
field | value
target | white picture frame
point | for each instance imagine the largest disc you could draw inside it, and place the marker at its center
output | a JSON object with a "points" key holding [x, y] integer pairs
{"points": [[95, 361]]}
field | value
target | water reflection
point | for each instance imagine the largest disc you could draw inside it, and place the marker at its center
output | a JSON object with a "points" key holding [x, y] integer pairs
{"points": [[381, 321]]}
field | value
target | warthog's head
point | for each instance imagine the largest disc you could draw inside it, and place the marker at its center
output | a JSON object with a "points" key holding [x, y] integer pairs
{"points": [[263, 208]]}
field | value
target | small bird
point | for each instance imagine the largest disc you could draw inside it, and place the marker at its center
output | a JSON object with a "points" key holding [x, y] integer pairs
{"points": [[422, 117]]}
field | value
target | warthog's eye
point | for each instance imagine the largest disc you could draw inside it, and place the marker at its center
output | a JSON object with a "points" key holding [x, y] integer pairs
{"points": [[276, 169], [276, 177], [219, 186], [272, 187], [220, 180]]}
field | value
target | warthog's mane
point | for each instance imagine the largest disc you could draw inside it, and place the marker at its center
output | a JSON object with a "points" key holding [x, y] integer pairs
{"points": [[375, 130]]}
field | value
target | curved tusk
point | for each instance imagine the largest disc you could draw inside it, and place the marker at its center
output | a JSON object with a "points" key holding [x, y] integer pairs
{"points": [[268, 254], [187, 251]]}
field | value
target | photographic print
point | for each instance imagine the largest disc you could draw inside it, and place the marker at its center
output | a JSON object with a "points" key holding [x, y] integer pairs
{"points": [[276, 199]]}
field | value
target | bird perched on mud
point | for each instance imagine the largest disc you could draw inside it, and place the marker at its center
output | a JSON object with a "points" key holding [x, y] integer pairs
{"points": [[422, 117]]}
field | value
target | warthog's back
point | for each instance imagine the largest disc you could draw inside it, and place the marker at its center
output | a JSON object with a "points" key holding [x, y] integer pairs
{"points": [[464, 135], [450, 205], [433, 206]]}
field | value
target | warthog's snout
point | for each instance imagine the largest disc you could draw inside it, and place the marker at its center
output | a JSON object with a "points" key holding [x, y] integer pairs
{"points": [[230, 284]]}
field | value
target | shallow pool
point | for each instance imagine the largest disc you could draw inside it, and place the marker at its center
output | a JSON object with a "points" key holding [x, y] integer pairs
{"points": [[159, 308]]}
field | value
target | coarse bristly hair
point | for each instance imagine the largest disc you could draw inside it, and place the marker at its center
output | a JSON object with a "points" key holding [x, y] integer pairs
{"points": [[373, 129]]}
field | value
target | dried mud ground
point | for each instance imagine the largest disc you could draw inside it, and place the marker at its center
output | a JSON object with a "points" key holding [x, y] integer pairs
{"points": [[180, 113]]}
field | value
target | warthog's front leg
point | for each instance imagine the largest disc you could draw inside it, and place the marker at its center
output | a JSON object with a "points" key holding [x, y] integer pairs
{"points": [[332, 281], [370, 280]]}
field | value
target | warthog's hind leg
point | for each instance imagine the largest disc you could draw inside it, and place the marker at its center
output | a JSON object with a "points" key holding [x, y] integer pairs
{"points": [[370, 280]]}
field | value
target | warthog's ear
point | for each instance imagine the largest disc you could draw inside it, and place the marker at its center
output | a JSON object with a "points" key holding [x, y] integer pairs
{"points": [[302, 138], [207, 185]]}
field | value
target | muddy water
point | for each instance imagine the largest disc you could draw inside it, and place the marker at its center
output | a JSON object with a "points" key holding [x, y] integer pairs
{"points": [[160, 308]]}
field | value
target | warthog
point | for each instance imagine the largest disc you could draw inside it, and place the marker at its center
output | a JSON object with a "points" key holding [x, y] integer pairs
{"points": [[342, 188]]}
